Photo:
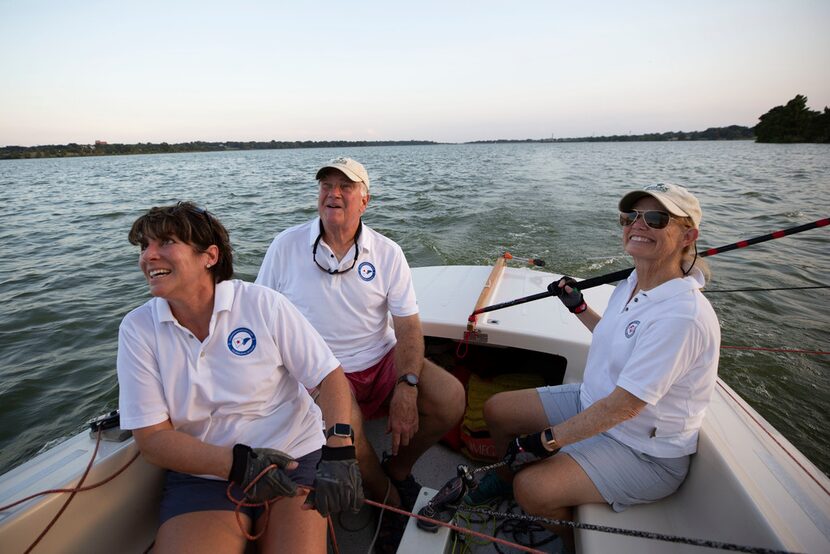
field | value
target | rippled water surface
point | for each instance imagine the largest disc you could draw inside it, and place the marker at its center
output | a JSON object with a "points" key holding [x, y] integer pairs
{"points": [[68, 274]]}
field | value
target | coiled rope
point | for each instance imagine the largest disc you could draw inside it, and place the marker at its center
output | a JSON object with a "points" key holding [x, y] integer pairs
{"points": [[241, 503]]}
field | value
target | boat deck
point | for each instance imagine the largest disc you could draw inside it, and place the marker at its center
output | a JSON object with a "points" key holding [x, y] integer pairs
{"points": [[432, 470]]}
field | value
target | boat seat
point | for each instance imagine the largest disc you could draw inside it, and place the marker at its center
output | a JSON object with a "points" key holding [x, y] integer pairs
{"points": [[711, 504]]}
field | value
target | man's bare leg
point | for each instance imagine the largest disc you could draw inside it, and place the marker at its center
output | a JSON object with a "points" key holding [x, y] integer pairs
{"points": [[441, 405]]}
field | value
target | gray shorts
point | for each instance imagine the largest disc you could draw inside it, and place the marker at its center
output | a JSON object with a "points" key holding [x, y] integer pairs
{"points": [[622, 475]]}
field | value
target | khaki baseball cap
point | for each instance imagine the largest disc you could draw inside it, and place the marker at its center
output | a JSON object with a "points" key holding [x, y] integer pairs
{"points": [[350, 168], [676, 199]]}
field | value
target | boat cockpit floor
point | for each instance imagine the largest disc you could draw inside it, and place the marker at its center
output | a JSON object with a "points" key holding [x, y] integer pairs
{"points": [[434, 468]]}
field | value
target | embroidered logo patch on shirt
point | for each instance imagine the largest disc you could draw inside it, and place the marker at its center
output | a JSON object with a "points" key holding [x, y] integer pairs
{"points": [[241, 341], [366, 271], [630, 328]]}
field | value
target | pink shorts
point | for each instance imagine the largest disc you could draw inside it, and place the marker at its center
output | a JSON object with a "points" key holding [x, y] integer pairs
{"points": [[372, 386]]}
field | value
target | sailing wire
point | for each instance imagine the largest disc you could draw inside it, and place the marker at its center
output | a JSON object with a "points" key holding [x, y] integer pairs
{"points": [[706, 291]]}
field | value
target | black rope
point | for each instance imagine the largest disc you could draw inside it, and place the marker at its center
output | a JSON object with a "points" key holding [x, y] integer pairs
{"points": [[628, 532], [523, 532], [759, 290]]}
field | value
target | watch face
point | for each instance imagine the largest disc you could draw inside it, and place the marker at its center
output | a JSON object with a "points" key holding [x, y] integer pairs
{"points": [[340, 430], [409, 378]]}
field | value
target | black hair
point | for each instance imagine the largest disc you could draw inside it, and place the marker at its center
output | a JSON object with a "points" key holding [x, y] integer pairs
{"points": [[190, 224]]}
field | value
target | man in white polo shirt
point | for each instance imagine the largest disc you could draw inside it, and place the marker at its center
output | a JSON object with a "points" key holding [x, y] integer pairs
{"points": [[355, 287]]}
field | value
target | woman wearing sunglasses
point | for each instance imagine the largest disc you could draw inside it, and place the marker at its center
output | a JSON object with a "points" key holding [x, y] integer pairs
{"points": [[625, 435], [212, 374]]}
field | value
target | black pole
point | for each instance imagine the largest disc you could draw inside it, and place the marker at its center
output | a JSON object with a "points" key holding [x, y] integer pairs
{"points": [[624, 273]]}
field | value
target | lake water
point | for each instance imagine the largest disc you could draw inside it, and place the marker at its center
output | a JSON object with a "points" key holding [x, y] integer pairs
{"points": [[68, 274]]}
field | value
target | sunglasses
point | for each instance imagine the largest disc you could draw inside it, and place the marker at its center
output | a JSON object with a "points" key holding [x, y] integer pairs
{"points": [[336, 271], [200, 212], [327, 270], [655, 219]]}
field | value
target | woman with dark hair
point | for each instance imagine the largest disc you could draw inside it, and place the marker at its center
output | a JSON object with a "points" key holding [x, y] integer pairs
{"points": [[213, 375], [624, 435]]}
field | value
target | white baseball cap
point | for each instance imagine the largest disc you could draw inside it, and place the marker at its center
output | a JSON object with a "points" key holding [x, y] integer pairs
{"points": [[676, 199], [350, 168]]}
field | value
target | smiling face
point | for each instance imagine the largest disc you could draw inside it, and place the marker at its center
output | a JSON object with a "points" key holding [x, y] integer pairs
{"points": [[341, 202], [645, 244], [175, 270]]}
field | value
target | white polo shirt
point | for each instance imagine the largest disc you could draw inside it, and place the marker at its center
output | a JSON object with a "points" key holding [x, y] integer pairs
{"points": [[243, 384], [662, 347], [351, 310]]}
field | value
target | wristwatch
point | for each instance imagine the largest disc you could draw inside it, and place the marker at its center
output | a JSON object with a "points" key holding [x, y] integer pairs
{"points": [[409, 378], [550, 439], [343, 430]]}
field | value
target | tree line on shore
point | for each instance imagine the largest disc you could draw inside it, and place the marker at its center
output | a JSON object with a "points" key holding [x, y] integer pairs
{"points": [[792, 122], [732, 132], [105, 149]]}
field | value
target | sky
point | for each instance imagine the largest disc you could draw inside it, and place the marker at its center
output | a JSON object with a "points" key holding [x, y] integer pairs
{"points": [[179, 71]]}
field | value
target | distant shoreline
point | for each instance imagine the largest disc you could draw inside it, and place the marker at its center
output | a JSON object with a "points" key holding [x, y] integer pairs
{"points": [[100, 148], [791, 123]]}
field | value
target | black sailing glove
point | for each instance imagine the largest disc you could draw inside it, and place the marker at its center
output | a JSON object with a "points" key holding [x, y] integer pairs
{"points": [[337, 484], [249, 462], [526, 449], [572, 300]]}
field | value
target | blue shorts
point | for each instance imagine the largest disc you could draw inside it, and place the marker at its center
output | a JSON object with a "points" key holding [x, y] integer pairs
{"points": [[622, 475], [185, 493]]}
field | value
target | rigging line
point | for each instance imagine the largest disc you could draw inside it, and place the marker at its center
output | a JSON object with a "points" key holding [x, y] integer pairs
{"points": [[576, 525], [516, 528], [74, 489], [628, 532], [454, 527], [704, 291], [71, 496], [624, 273], [785, 350]]}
